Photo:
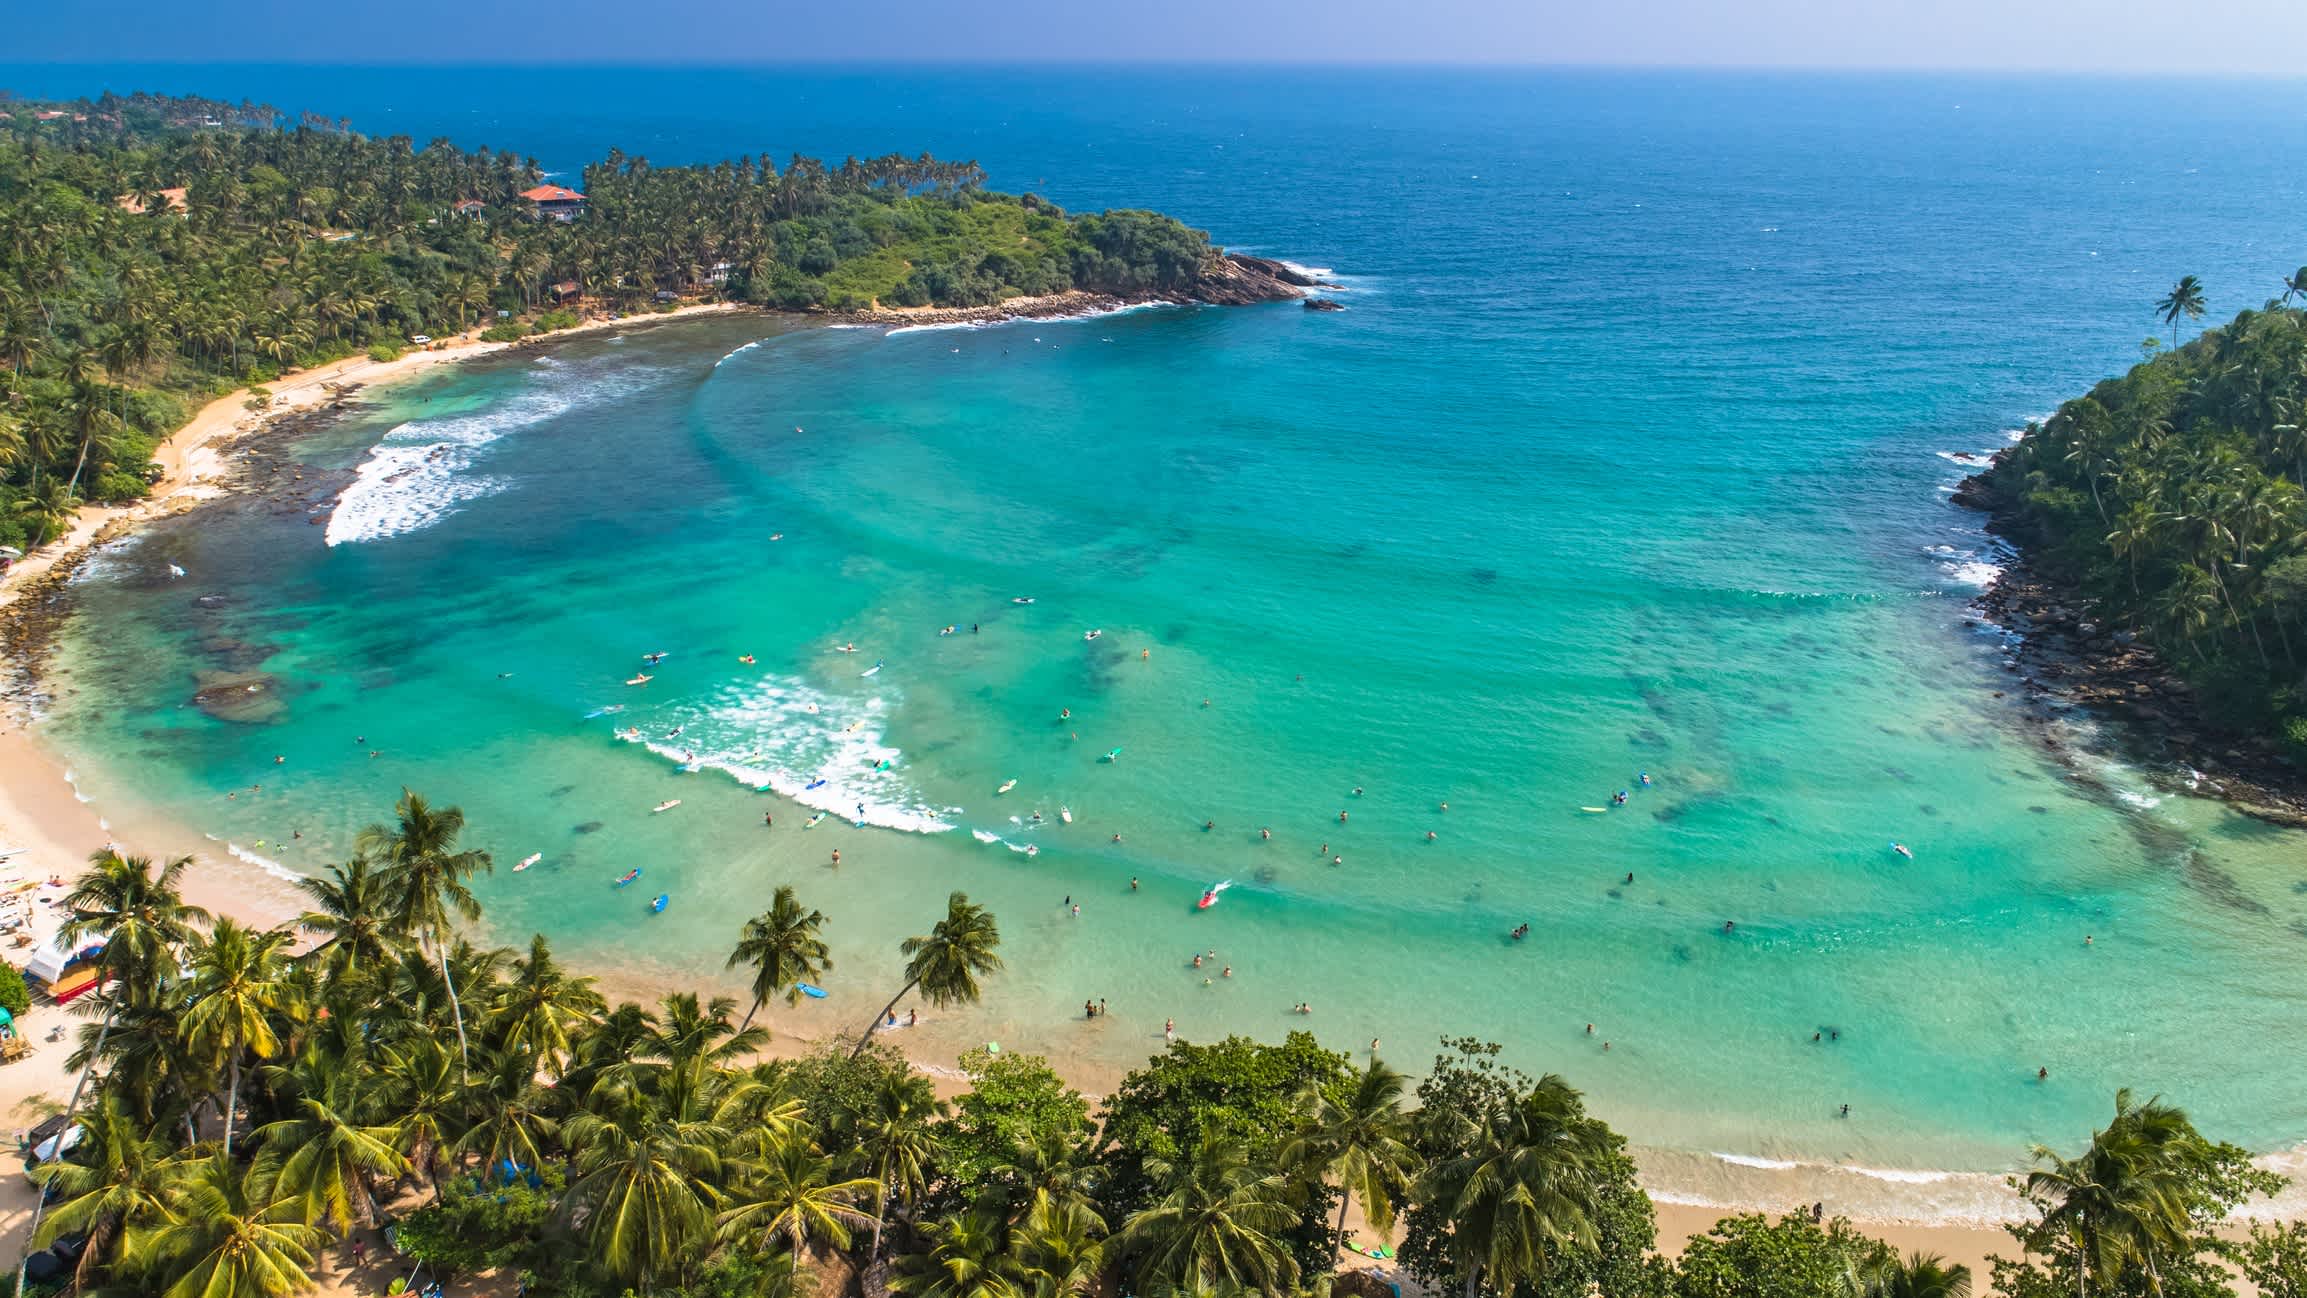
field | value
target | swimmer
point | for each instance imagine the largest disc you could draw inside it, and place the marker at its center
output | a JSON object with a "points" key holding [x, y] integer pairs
{"points": [[1170, 1029], [1209, 824], [1589, 1029], [279, 760], [1341, 817], [746, 659], [1065, 714], [1228, 972], [1445, 806], [1645, 778], [836, 856], [1729, 926], [1197, 959], [1205, 703], [768, 818], [1900, 848], [2042, 1074], [1133, 883], [1357, 790], [1337, 860], [1846, 1110], [1429, 835], [1373, 1045], [1630, 876], [1325, 850], [1077, 910], [1618, 799], [1145, 655], [1266, 834]]}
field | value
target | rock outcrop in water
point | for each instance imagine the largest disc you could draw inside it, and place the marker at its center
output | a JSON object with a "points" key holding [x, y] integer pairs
{"points": [[1237, 279]]}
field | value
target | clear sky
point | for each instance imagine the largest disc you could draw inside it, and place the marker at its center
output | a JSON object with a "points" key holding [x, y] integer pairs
{"points": [[2247, 37]]}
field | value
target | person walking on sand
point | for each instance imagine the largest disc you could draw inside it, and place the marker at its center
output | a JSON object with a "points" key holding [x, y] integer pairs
{"points": [[1169, 1030]]}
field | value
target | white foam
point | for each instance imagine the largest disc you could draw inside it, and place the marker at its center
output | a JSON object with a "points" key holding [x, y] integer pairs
{"points": [[1750, 1160], [264, 863], [735, 353], [1901, 1176], [419, 473], [784, 735], [107, 560], [1098, 314]]}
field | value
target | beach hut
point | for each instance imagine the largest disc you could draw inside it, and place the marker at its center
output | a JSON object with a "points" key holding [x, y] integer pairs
{"points": [[66, 973]]}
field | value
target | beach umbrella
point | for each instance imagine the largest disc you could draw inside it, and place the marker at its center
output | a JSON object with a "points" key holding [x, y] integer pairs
{"points": [[11, 551]]}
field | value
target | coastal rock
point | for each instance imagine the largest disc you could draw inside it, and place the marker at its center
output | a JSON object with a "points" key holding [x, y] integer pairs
{"points": [[1324, 304], [243, 698], [1235, 279]]}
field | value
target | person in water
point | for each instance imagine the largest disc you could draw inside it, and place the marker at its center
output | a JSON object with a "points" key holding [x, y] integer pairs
{"points": [[1618, 799], [1645, 778], [836, 856]]}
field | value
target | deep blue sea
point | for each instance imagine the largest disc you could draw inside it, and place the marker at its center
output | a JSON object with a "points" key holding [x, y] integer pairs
{"points": [[1629, 454]]}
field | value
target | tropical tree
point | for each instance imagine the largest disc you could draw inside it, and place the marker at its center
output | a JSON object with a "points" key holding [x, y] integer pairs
{"points": [[236, 987], [2184, 299], [2128, 1199], [1918, 1275], [968, 1257], [644, 1187], [897, 1137], [946, 964], [320, 1158], [791, 1198], [1522, 1195], [1218, 1222], [424, 875], [783, 947], [229, 1237], [542, 1004], [1360, 1138], [119, 1177], [350, 915]]}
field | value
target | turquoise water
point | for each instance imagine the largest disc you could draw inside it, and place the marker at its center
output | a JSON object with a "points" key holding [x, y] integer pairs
{"points": [[1630, 454]]}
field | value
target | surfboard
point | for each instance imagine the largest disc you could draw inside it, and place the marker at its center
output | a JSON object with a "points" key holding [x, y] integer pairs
{"points": [[811, 990]]}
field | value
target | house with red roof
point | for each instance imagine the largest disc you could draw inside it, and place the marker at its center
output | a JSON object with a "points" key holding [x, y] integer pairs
{"points": [[558, 202]]}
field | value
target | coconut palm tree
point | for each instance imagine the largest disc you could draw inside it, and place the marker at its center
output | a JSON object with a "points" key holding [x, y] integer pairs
{"points": [[236, 986], [946, 964], [1524, 1192], [968, 1257], [1218, 1222], [139, 912], [897, 1136], [119, 1178], [1918, 1275], [230, 1237], [1359, 1137], [2184, 299], [321, 1156], [782, 945], [425, 875], [423, 1102], [350, 915], [790, 1198], [1060, 1249], [2127, 1199], [542, 1004], [512, 1118], [2294, 285], [643, 1186]]}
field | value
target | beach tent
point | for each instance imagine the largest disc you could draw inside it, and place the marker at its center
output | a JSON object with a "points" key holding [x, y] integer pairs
{"points": [[47, 964]]}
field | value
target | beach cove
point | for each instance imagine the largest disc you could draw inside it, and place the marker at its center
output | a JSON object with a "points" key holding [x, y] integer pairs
{"points": [[1484, 557]]}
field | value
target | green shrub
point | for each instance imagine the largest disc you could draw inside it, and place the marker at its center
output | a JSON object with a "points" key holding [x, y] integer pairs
{"points": [[258, 398], [552, 320], [14, 996], [505, 331], [383, 352], [481, 1223], [117, 486]]}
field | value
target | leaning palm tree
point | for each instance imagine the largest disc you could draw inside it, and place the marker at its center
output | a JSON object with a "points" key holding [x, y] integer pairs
{"points": [[118, 1179], [2184, 299], [789, 1198], [425, 876], [1361, 1138], [967, 1257], [141, 915], [2127, 1200], [1524, 1191], [231, 1238], [782, 945], [2295, 285], [897, 1135], [946, 964], [236, 986], [1919, 1275], [1218, 1222]]}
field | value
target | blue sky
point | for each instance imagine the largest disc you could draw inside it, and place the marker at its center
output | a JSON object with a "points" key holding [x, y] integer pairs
{"points": [[2241, 37]]}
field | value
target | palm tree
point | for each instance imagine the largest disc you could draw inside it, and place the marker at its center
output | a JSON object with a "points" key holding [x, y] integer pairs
{"points": [[2127, 1199], [967, 1258], [1361, 1139], [2295, 285], [1060, 1249], [2184, 299], [350, 915], [542, 1004], [1217, 1222], [782, 945], [236, 985], [643, 1186], [425, 875], [321, 1157], [897, 1135], [946, 964], [790, 1198], [1919, 1275], [421, 1096], [140, 914], [1524, 1191], [230, 1238], [512, 1112], [119, 1178]]}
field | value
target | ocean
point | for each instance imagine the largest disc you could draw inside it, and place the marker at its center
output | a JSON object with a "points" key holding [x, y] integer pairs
{"points": [[1630, 454]]}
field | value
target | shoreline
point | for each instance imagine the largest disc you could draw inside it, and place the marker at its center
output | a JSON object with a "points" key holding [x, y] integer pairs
{"points": [[2066, 659], [60, 832]]}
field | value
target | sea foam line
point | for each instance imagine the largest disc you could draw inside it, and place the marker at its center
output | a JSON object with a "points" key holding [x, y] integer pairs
{"points": [[1075, 317]]}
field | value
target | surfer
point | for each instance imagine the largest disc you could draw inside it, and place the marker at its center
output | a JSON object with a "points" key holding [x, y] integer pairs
{"points": [[746, 659], [1901, 849], [1618, 799], [1645, 778]]}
